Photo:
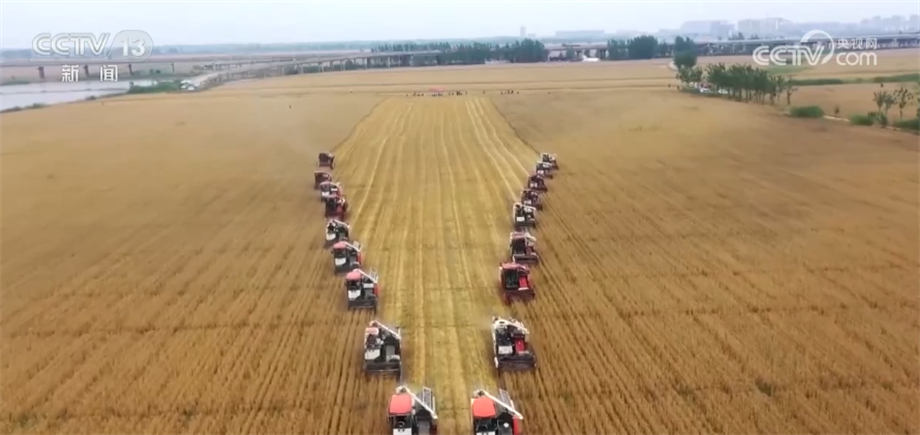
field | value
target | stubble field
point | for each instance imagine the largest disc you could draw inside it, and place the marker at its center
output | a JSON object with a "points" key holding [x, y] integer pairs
{"points": [[708, 266]]}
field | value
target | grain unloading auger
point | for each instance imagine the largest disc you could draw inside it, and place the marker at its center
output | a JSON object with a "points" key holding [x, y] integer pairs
{"points": [[492, 415], [382, 349], [412, 414]]}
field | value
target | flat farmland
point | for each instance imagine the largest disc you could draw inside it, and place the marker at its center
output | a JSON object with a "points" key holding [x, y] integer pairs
{"points": [[852, 99], [708, 266]]}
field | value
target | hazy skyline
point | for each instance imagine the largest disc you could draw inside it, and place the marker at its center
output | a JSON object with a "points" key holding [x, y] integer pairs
{"points": [[201, 22]]}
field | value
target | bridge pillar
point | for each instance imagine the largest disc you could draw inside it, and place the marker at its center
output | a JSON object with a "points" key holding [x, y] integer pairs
{"points": [[388, 61], [300, 69], [131, 69], [41, 72], [86, 70], [173, 67]]}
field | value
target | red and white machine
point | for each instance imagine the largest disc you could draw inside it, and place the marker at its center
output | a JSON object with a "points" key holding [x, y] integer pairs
{"points": [[326, 160], [511, 346], [523, 248], [411, 414], [492, 415], [514, 282], [363, 289], [346, 256]]}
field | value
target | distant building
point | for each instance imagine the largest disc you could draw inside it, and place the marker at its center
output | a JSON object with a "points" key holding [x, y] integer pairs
{"points": [[581, 34], [532, 36], [765, 28], [523, 32]]}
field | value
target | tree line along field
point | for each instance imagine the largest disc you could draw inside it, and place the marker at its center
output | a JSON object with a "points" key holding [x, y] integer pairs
{"points": [[707, 266]]}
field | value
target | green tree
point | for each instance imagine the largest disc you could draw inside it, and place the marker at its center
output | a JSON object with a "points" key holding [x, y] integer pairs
{"points": [[903, 97], [642, 47]]}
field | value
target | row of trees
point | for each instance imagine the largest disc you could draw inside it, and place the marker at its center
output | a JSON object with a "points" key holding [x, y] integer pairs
{"points": [[739, 82], [525, 51], [884, 100]]}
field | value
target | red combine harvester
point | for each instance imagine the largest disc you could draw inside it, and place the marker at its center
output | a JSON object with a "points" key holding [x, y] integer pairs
{"points": [[411, 414], [510, 345], [544, 169], [532, 198], [320, 177], [549, 158], [382, 353], [515, 282], [346, 256], [336, 207], [522, 247], [537, 182], [336, 231], [362, 289], [329, 189], [523, 216], [326, 160], [492, 415]]}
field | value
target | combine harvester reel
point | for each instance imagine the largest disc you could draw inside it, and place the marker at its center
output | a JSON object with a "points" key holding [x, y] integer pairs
{"points": [[492, 415], [532, 198], [329, 189], [549, 158], [346, 256], [362, 289], [336, 231], [320, 177], [510, 345], [411, 414], [336, 207], [514, 282], [326, 160], [524, 216], [523, 248], [382, 353], [544, 169], [537, 182]]}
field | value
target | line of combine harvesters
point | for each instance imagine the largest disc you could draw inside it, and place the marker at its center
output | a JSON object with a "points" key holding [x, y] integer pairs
{"points": [[415, 414]]}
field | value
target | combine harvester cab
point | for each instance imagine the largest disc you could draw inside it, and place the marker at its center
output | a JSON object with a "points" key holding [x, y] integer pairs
{"points": [[523, 248], [524, 216], [411, 414], [336, 207], [544, 169], [326, 160], [346, 256], [510, 345], [514, 281], [336, 231], [549, 158], [382, 353], [362, 289], [320, 177], [537, 182], [492, 415], [329, 189], [532, 198]]}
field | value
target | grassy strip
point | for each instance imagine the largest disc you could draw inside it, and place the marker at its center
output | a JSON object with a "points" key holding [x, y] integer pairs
{"points": [[900, 78]]}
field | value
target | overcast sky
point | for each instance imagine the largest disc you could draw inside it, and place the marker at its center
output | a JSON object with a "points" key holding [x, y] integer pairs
{"points": [[190, 22]]}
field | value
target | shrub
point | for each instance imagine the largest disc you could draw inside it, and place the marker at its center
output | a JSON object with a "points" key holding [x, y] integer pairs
{"points": [[908, 124], [806, 112], [862, 120]]}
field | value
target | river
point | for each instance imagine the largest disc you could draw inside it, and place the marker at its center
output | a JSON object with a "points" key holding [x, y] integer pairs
{"points": [[57, 92]]}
